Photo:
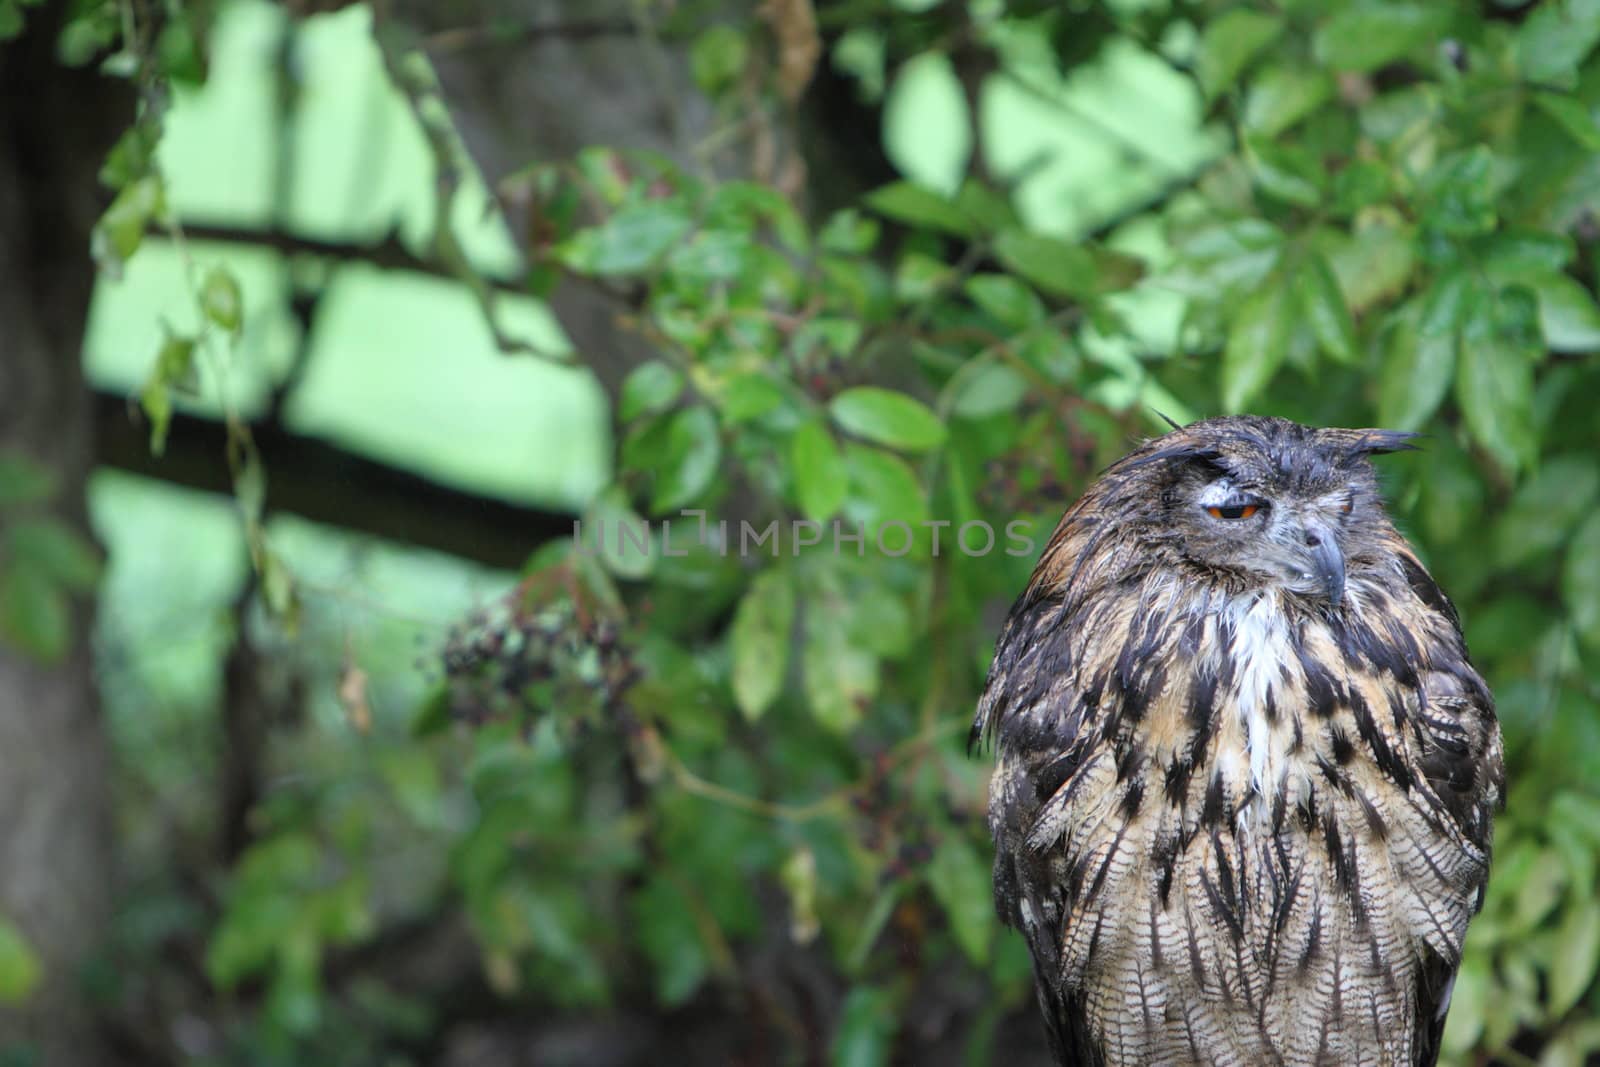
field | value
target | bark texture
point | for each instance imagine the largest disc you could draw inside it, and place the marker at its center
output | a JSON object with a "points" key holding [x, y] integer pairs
{"points": [[56, 125], [581, 74]]}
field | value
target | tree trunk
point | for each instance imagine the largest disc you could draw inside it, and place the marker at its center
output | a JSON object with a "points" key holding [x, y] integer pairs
{"points": [[56, 125]]}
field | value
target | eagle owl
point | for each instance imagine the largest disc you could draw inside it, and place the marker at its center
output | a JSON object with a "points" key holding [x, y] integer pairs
{"points": [[1245, 771]]}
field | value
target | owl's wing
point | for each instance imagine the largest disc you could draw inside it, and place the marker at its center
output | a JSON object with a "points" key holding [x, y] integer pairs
{"points": [[1461, 761], [1459, 756], [1037, 720]]}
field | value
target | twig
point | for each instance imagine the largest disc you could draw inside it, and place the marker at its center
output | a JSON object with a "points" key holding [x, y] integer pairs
{"points": [[431, 114], [830, 804], [509, 35]]}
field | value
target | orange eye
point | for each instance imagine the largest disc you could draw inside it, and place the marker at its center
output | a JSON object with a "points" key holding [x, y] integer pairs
{"points": [[1233, 511], [1349, 506]]}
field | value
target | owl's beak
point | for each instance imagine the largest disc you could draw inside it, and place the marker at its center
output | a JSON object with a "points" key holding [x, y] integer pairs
{"points": [[1327, 563]]}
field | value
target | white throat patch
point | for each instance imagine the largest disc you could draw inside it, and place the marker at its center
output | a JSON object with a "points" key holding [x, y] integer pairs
{"points": [[1261, 648]]}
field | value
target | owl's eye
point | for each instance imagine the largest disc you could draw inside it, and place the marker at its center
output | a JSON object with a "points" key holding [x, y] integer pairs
{"points": [[1349, 506], [1233, 511]]}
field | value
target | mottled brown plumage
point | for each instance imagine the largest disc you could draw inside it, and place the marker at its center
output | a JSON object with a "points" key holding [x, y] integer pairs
{"points": [[1245, 769]]}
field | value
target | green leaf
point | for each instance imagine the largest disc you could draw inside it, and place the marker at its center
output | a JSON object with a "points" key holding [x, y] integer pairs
{"points": [[1116, 271], [1373, 265], [746, 397], [663, 921], [120, 231], [919, 277], [10, 27], [1282, 95], [1290, 173], [717, 57], [628, 242], [760, 642], [34, 614], [1540, 890], [1416, 374], [294, 995], [1052, 264], [847, 231], [1258, 340], [882, 488], [1011, 304], [1051, 353], [867, 1025], [1449, 300], [798, 876], [1580, 580], [55, 548], [412, 775], [711, 256], [1577, 946], [871, 927], [959, 879], [278, 591], [613, 531], [887, 417], [879, 619], [649, 388], [432, 715], [1363, 183], [19, 967], [1572, 1045], [1468, 999], [1511, 254], [841, 675], [221, 300], [174, 370], [689, 462], [916, 205], [835, 335], [1572, 116], [988, 389], [1568, 316], [989, 208], [820, 478], [1228, 44], [23, 481], [1457, 195], [1544, 509], [1324, 308], [1368, 37], [1494, 383], [1222, 257], [1554, 39]]}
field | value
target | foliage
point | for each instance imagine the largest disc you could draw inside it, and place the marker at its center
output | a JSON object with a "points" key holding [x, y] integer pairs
{"points": [[43, 562], [1400, 230], [19, 968]]}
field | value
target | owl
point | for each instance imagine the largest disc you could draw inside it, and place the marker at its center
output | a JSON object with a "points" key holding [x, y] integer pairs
{"points": [[1245, 771]]}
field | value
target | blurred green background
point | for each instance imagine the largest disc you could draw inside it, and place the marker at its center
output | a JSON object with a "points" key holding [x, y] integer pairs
{"points": [[383, 299]]}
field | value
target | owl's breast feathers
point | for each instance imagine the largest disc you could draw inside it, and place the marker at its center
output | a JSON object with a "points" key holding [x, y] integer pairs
{"points": [[1235, 827]]}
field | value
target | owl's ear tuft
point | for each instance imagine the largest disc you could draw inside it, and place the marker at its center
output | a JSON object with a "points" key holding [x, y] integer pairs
{"points": [[1372, 442], [1186, 452]]}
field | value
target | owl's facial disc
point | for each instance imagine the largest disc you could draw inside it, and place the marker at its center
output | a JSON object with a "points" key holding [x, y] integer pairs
{"points": [[1294, 541]]}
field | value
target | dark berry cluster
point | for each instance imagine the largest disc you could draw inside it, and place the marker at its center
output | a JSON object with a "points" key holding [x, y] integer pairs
{"points": [[518, 661]]}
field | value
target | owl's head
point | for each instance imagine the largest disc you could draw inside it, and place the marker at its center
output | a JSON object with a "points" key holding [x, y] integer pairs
{"points": [[1264, 500]]}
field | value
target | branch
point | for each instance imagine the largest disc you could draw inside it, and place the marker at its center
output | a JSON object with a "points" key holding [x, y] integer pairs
{"points": [[387, 253], [327, 484], [246, 712], [511, 35], [390, 253]]}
